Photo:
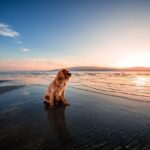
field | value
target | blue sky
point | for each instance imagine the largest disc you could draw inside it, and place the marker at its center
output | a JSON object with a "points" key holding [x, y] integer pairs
{"points": [[54, 33]]}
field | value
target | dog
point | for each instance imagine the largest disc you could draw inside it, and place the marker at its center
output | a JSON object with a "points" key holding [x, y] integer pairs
{"points": [[56, 89]]}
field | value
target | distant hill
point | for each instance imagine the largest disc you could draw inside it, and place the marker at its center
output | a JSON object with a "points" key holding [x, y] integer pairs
{"points": [[90, 68], [95, 68], [136, 69]]}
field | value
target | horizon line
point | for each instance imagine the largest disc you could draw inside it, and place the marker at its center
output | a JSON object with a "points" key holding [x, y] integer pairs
{"points": [[139, 68]]}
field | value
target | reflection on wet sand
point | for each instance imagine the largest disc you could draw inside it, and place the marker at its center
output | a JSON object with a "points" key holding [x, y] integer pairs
{"points": [[6, 89], [57, 121]]}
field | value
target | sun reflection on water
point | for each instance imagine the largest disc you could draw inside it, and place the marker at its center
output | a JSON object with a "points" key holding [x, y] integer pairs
{"points": [[141, 81]]}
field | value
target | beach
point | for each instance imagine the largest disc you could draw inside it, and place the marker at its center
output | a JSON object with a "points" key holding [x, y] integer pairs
{"points": [[74, 74], [94, 120]]}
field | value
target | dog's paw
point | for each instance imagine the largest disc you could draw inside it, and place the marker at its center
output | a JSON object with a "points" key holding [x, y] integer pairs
{"points": [[66, 104], [56, 103], [47, 97], [52, 106], [45, 102]]}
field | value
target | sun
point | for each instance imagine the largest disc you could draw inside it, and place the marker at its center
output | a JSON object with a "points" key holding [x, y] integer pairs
{"points": [[135, 60]]}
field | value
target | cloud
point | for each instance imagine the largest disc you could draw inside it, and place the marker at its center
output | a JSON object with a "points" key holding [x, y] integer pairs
{"points": [[25, 49], [32, 64], [5, 30]]}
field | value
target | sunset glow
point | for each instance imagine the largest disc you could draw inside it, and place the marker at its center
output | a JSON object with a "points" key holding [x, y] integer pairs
{"points": [[75, 33], [137, 60]]}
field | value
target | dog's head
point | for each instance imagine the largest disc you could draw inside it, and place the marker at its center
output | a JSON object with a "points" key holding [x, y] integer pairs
{"points": [[63, 75]]}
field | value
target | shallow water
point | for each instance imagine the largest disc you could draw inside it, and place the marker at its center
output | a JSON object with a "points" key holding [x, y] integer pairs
{"points": [[94, 120], [130, 85]]}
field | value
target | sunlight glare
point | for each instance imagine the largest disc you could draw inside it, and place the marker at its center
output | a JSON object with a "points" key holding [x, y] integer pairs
{"points": [[137, 60], [141, 81]]}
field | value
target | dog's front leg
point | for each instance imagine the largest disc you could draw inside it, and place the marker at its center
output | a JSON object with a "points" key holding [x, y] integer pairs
{"points": [[52, 100], [64, 99]]}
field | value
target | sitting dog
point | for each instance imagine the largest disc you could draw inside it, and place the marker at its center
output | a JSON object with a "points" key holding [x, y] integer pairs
{"points": [[56, 90]]}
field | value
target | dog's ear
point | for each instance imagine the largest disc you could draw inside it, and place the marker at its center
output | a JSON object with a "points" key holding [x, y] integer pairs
{"points": [[60, 75], [65, 73]]}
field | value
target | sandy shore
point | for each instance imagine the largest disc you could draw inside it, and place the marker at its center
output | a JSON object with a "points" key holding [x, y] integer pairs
{"points": [[92, 121]]}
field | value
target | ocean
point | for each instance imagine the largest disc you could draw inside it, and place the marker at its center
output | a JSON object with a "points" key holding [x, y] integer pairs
{"points": [[129, 85]]}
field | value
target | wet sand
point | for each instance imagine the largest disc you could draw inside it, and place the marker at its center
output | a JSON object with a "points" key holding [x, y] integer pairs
{"points": [[5, 89], [1, 81], [92, 121]]}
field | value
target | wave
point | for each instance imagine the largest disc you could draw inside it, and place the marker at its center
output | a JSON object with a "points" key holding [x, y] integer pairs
{"points": [[115, 91], [110, 94]]}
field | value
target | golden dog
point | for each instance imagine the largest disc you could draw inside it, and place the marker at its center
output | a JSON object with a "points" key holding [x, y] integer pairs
{"points": [[56, 90]]}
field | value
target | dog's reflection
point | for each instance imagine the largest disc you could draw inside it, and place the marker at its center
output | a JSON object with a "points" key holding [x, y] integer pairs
{"points": [[57, 120]]}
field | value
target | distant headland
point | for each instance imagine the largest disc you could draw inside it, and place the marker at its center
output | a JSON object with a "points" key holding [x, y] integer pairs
{"points": [[96, 68]]}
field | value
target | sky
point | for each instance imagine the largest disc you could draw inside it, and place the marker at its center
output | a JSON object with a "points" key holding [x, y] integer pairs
{"points": [[50, 34]]}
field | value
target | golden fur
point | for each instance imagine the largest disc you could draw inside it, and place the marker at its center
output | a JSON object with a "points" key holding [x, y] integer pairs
{"points": [[56, 89]]}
